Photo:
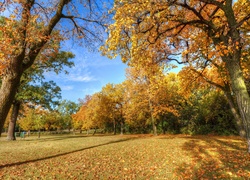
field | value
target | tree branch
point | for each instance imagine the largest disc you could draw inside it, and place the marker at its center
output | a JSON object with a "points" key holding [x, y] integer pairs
{"points": [[214, 2], [36, 48], [207, 80]]}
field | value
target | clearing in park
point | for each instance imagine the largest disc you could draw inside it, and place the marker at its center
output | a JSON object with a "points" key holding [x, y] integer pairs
{"points": [[124, 157]]}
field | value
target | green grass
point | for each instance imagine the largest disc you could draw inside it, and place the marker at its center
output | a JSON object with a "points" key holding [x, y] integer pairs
{"points": [[124, 157]]}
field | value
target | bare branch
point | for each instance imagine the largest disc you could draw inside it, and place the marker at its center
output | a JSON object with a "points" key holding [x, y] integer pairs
{"points": [[45, 12], [36, 48], [79, 28]]}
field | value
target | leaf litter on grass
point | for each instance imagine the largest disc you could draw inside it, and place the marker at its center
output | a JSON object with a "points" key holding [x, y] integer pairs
{"points": [[127, 157]]}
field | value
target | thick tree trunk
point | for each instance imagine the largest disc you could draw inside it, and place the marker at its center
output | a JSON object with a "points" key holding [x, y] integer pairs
{"points": [[235, 112], [240, 91], [12, 124], [8, 90]]}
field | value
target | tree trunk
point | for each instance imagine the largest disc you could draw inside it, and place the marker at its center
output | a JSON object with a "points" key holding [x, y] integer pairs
{"points": [[248, 143], [235, 112], [114, 124], [152, 118], [12, 124], [94, 132], [39, 133], [154, 129], [240, 91], [8, 90], [122, 127], [163, 126]]}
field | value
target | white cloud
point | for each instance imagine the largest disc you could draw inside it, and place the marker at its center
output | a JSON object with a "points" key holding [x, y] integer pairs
{"points": [[89, 91], [67, 88], [80, 78], [80, 73]]}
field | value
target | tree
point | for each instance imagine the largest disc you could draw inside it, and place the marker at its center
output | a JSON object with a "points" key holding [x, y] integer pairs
{"points": [[31, 30], [111, 103], [33, 88], [194, 29], [51, 119], [204, 108], [26, 121], [90, 114], [150, 95], [217, 77], [33, 118], [102, 110], [66, 109]]}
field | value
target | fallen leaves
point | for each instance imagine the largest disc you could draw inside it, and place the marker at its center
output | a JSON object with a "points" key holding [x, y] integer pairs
{"points": [[125, 157]]}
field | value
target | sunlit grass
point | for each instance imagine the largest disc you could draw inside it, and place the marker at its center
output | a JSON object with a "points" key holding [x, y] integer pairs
{"points": [[124, 157]]}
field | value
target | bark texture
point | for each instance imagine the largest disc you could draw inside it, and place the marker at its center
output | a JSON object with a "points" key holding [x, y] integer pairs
{"points": [[241, 93], [12, 124], [235, 112], [8, 90]]}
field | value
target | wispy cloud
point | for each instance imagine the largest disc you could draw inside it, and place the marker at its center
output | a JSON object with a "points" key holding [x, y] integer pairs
{"points": [[67, 88], [85, 58], [79, 73], [80, 78], [90, 90]]}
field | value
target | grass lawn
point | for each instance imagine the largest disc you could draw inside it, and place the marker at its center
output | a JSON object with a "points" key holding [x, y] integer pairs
{"points": [[124, 157]]}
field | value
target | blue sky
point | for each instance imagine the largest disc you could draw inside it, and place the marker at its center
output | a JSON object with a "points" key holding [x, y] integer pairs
{"points": [[90, 73]]}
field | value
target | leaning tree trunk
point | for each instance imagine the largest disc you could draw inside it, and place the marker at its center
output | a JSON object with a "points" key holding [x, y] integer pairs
{"points": [[235, 112], [12, 124], [8, 90], [240, 91]]}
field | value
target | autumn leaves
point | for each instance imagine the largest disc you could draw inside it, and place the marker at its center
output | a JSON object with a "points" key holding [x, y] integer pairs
{"points": [[202, 34]]}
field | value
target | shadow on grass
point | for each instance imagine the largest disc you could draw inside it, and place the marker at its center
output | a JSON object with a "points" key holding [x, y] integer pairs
{"points": [[59, 137], [215, 157], [53, 137], [47, 137], [66, 153]]}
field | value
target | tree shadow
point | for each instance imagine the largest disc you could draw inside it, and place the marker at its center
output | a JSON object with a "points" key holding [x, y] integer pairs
{"points": [[53, 137], [66, 153], [59, 137], [215, 158]]}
